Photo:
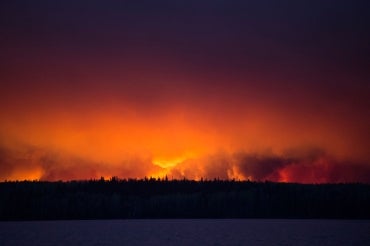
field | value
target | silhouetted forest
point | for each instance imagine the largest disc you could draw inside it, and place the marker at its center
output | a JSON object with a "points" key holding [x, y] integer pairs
{"points": [[152, 198]]}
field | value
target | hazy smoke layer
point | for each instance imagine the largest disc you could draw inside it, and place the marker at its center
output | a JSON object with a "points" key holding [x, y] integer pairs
{"points": [[308, 166]]}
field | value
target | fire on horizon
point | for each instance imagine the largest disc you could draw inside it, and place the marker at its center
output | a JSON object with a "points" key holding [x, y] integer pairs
{"points": [[196, 89]]}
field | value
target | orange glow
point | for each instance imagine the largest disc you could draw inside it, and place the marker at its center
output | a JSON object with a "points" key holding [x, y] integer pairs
{"points": [[111, 144], [178, 141], [28, 174]]}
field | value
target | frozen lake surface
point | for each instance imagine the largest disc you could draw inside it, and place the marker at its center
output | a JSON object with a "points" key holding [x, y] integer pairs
{"points": [[187, 232]]}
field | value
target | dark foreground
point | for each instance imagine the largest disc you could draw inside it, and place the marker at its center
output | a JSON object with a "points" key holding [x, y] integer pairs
{"points": [[187, 232], [119, 199]]}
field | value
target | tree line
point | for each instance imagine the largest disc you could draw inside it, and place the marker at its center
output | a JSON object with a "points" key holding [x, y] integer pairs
{"points": [[154, 198]]}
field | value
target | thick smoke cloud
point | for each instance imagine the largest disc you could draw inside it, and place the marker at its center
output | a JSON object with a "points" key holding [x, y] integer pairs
{"points": [[302, 166], [313, 168], [299, 165], [31, 163]]}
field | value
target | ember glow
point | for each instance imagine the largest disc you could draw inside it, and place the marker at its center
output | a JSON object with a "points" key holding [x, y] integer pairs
{"points": [[227, 90]]}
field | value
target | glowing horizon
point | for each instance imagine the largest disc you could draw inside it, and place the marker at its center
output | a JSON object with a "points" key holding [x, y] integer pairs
{"points": [[193, 92]]}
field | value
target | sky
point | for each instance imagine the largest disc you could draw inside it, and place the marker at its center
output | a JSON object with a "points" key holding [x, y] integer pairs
{"points": [[258, 90]]}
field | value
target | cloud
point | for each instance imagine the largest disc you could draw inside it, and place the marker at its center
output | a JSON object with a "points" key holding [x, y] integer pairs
{"points": [[326, 170], [210, 167], [18, 163], [260, 167], [28, 162], [304, 165]]}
